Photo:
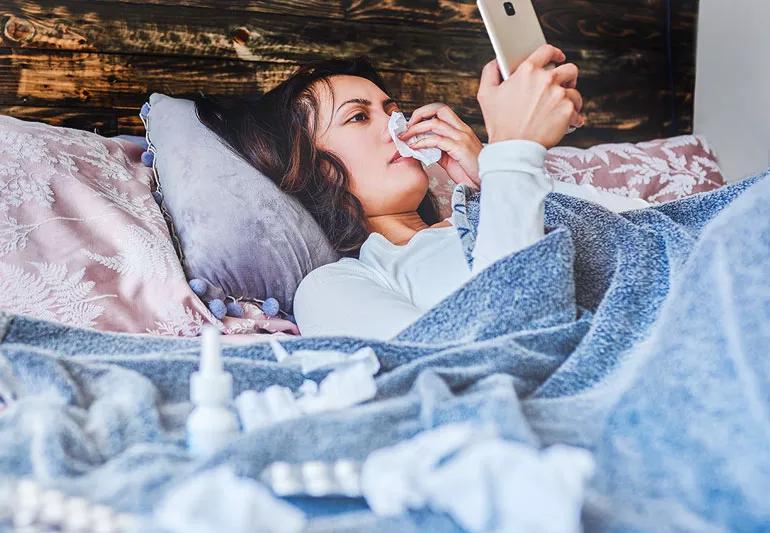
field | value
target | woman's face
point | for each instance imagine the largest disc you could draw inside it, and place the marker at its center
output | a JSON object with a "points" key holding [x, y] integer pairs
{"points": [[353, 124]]}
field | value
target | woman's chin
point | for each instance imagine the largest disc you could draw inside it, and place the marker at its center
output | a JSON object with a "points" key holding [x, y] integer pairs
{"points": [[407, 167]]}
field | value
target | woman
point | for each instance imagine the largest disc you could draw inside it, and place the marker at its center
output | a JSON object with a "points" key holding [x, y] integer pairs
{"points": [[322, 135]]}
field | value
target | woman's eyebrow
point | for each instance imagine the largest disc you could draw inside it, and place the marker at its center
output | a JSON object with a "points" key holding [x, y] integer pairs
{"points": [[366, 102]]}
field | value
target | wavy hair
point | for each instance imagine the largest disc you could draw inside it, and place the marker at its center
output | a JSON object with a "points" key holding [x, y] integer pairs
{"points": [[274, 133]]}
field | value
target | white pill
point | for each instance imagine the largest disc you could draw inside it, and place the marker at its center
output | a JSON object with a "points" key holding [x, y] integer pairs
{"points": [[103, 519], [317, 478], [52, 508], [77, 515]]}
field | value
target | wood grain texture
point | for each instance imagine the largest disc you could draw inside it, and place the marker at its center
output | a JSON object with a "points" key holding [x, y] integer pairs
{"points": [[95, 61], [163, 30], [601, 20], [102, 121], [303, 8]]}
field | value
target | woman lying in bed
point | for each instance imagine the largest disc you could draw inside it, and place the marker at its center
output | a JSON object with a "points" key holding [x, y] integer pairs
{"points": [[324, 132]]}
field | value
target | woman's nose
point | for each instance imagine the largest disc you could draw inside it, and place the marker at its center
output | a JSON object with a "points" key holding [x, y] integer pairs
{"points": [[385, 131]]}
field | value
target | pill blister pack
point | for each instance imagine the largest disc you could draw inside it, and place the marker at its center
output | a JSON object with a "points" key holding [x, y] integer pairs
{"points": [[314, 478], [31, 508]]}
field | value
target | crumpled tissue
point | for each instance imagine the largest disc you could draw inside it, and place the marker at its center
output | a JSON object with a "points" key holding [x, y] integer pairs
{"points": [[218, 500], [351, 382], [396, 125], [483, 482], [310, 360]]}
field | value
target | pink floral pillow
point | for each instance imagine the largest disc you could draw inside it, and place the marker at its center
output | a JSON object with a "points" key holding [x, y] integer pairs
{"points": [[657, 171], [83, 242]]}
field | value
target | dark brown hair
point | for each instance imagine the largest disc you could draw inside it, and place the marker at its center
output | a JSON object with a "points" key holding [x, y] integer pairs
{"points": [[274, 133]]}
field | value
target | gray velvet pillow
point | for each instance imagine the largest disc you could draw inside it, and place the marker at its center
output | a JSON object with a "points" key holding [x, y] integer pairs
{"points": [[236, 229]]}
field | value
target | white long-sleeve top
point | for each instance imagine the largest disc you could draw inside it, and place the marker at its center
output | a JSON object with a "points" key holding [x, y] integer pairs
{"points": [[389, 286]]}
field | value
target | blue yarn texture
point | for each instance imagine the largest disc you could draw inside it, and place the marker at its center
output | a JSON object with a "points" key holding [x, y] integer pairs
{"points": [[642, 337]]}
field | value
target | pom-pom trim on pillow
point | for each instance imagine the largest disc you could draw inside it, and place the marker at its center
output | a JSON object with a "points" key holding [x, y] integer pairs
{"points": [[215, 304], [155, 187]]}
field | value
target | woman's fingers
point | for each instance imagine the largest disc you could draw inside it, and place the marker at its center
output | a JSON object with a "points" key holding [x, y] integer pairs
{"points": [[446, 144], [566, 75], [440, 110], [534, 103], [459, 160], [490, 78], [423, 112], [545, 54], [435, 125], [577, 100]]}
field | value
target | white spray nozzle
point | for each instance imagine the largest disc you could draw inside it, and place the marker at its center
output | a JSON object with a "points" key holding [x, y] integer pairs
{"points": [[211, 384], [211, 351], [212, 424]]}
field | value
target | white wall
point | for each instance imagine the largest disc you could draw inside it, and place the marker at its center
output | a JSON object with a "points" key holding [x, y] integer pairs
{"points": [[732, 88]]}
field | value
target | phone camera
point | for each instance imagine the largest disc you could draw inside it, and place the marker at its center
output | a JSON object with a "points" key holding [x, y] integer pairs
{"points": [[509, 9]]}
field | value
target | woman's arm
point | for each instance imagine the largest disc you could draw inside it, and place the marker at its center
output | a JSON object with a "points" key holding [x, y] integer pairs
{"points": [[524, 115], [346, 298], [513, 189]]}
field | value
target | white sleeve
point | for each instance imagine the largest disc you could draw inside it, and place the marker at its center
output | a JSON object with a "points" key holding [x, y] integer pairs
{"points": [[346, 298], [513, 188]]}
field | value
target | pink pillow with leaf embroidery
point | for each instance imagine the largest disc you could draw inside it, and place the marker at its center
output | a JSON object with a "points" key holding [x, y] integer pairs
{"points": [[83, 242], [658, 171]]}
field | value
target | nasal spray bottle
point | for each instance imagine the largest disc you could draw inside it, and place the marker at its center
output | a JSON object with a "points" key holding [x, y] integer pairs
{"points": [[212, 423]]}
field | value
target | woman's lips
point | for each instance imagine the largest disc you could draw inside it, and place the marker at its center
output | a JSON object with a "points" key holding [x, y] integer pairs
{"points": [[397, 158]]}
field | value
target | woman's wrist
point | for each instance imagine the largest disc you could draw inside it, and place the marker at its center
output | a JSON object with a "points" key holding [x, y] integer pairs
{"points": [[512, 154], [512, 136], [539, 146]]}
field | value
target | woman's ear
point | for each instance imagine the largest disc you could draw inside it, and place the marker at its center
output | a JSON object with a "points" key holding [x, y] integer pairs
{"points": [[326, 167], [332, 166]]}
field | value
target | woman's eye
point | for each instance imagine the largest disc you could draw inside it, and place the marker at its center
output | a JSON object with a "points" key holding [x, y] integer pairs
{"points": [[357, 115]]}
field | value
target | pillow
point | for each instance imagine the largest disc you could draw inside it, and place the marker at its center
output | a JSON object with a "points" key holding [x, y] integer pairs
{"points": [[83, 242], [141, 141], [237, 231], [657, 171]]}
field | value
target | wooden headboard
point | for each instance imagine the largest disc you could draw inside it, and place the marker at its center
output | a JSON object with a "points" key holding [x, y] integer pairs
{"points": [[90, 64]]}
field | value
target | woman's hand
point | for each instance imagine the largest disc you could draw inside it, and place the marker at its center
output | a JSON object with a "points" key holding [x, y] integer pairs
{"points": [[533, 103], [459, 144]]}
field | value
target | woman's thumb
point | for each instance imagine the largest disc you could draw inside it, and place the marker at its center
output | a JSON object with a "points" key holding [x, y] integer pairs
{"points": [[490, 76]]}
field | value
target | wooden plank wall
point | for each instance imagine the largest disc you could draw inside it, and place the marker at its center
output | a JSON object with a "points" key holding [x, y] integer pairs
{"points": [[90, 64]]}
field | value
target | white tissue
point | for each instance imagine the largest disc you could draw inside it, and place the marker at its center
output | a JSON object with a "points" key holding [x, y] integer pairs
{"points": [[427, 156], [311, 360], [279, 351], [391, 477], [351, 383], [259, 409], [343, 387], [218, 500], [483, 482]]}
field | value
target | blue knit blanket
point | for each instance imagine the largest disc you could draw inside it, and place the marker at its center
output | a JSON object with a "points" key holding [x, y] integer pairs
{"points": [[642, 337]]}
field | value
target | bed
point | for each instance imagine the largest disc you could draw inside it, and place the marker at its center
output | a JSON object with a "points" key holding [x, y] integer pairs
{"points": [[606, 384], [559, 390]]}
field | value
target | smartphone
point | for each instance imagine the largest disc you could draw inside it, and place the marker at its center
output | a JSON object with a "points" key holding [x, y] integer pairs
{"points": [[514, 29]]}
